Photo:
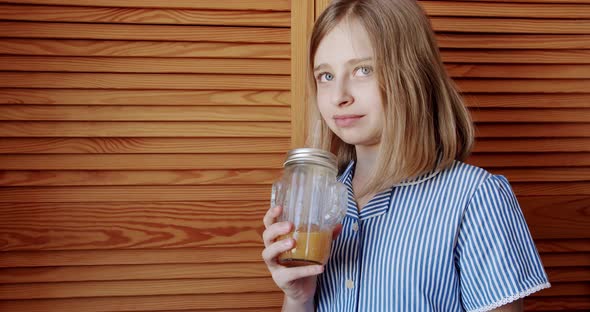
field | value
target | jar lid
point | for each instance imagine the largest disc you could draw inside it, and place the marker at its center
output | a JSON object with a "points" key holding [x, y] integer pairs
{"points": [[315, 156]]}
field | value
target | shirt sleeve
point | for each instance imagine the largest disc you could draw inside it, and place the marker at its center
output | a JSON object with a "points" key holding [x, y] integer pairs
{"points": [[495, 253]]}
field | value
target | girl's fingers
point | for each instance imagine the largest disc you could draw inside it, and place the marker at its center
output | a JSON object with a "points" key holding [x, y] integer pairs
{"points": [[275, 230], [270, 253], [283, 276], [271, 215]]}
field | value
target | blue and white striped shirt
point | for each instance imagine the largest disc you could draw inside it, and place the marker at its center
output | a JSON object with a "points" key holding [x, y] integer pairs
{"points": [[454, 240]]}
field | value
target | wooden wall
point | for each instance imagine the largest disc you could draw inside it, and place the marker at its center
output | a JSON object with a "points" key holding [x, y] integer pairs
{"points": [[138, 141]]}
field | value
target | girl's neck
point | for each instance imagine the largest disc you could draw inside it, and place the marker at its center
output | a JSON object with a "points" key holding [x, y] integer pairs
{"points": [[366, 157]]}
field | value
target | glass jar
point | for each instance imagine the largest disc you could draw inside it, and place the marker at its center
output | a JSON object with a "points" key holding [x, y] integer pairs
{"points": [[313, 200]]}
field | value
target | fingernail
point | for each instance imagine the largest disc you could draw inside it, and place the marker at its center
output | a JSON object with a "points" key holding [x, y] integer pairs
{"points": [[288, 242]]}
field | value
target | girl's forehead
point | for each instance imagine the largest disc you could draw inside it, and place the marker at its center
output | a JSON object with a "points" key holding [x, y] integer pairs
{"points": [[348, 40]]}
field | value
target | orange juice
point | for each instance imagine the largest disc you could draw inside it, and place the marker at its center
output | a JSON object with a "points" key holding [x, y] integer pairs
{"points": [[311, 247]]}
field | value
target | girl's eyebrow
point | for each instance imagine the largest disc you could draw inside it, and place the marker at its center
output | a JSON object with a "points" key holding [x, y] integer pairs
{"points": [[351, 61]]}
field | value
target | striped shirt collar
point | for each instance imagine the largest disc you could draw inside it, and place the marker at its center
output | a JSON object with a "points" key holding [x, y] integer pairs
{"points": [[381, 202]]}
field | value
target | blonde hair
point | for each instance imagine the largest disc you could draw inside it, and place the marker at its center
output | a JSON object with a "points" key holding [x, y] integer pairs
{"points": [[426, 124]]}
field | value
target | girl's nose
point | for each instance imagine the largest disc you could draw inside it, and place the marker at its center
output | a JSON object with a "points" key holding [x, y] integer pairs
{"points": [[341, 95]]}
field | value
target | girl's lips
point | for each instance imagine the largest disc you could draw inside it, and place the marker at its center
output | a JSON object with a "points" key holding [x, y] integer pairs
{"points": [[346, 120]]}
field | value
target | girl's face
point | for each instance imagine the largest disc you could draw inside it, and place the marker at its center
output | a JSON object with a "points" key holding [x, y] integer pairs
{"points": [[348, 93]]}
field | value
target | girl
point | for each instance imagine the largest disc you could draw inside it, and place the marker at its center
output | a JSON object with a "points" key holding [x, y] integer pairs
{"points": [[423, 231]]}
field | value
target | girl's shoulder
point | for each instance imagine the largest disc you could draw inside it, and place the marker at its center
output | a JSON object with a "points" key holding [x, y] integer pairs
{"points": [[471, 178]]}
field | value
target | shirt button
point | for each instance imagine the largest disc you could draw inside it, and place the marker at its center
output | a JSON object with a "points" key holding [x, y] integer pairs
{"points": [[349, 284], [355, 226]]}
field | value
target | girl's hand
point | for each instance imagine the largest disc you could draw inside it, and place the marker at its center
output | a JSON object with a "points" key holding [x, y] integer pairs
{"points": [[298, 283]]}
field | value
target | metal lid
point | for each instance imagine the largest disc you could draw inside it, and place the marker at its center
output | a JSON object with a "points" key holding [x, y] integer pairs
{"points": [[311, 156]]}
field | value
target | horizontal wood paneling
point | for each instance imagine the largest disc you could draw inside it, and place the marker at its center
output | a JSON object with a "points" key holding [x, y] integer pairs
{"points": [[532, 130], [144, 16], [517, 56], [150, 97], [499, 42], [152, 113], [150, 288], [144, 129], [173, 271], [545, 100], [148, 303], [522, 115], [145, 32], [539, 160], [519, 71], [137, 65], [143, 81], [142, 145], [167, 177], [509, 25], [162, 49], [139, 162], [522, 85], [263, 5], [490, 9], [533, 145]]}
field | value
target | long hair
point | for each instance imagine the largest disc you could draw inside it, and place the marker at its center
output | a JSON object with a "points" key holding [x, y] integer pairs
{"points": [[426, 125]]}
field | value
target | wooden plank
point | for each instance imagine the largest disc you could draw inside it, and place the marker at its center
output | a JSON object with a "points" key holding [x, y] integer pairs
{"points": [[516, 56], [557, 304], [566, 260], [301, 24], [492, 160], [535, 145], [145, 32], [557, 217], [546, 100], [499, 42], [509, 25], [144, 129], [94, 226], [522, 85], [564, 289], [138, 65], [126, 48], [145, 81], [519, 115], [262, 5], [168, 271], [568, 274], [533, 130], [490, 9], [131, 257], [137, 288], [551, 189], [534, 1], [563, 245], [150, 303], [518, 71], [71, 194], [147, 113], [158, 177], [142, 161], [143, 145], [36, 13], [146, 97]]}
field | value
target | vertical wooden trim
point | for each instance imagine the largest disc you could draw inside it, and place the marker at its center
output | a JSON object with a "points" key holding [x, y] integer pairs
{"points": [[302, 17], [320, 6]]}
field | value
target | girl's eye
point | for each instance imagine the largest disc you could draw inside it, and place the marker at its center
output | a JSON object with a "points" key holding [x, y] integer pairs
{"points": [[364, 70], [323, 77]]}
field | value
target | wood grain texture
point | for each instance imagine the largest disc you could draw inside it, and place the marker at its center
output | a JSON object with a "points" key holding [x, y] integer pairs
{"points": [[517, 56], [137, 48], [144, 81], [145, 32], [545, 100], [141, 162], [149, 303], [262, 5], [509, 25], [522, 85], [154, 97], [519, 71], [138, 65], [532, 130], [490, 9], [144, 129], [144, 16], [545, 145], [142, 145], [506, 160], [154, 113], [172, 177], [525, 115], [498, 42]]}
